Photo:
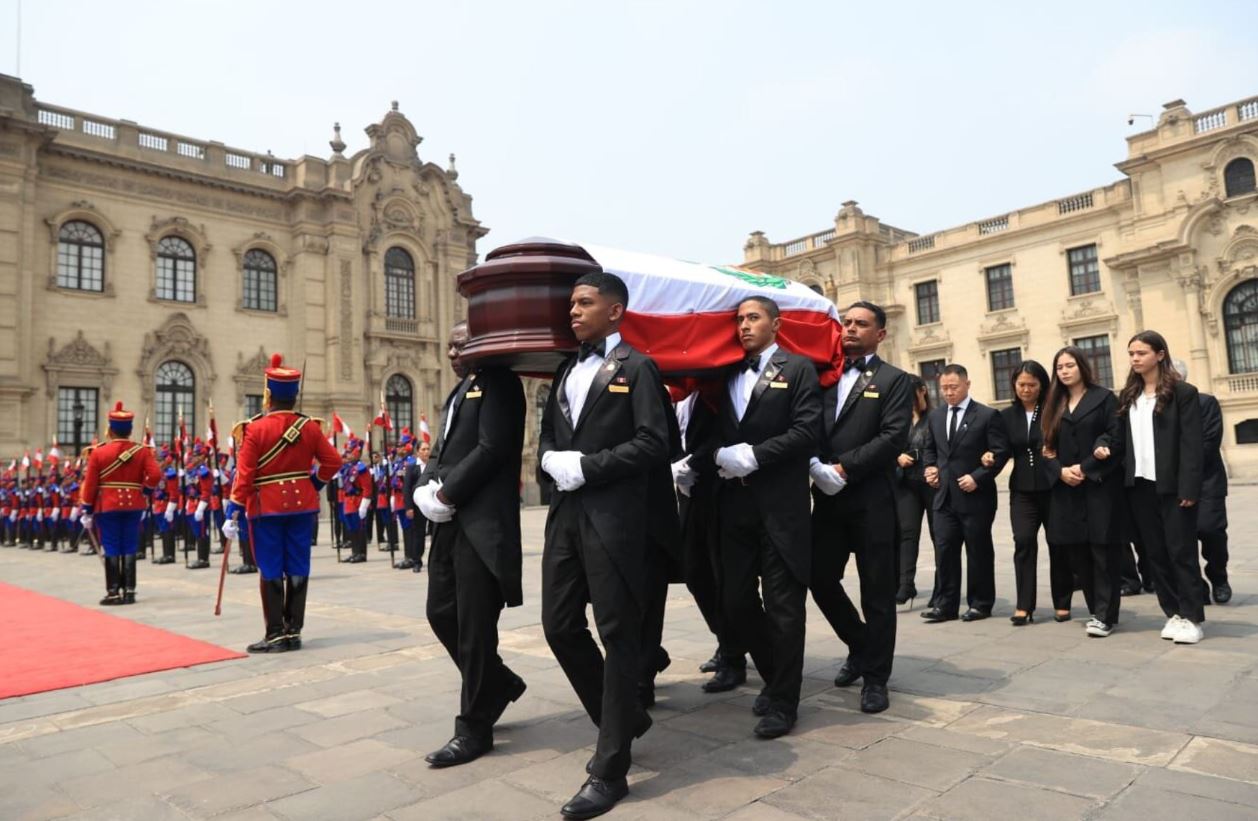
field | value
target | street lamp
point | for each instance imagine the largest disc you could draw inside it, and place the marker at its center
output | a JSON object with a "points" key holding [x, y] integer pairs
{"points": [[78, 410]]}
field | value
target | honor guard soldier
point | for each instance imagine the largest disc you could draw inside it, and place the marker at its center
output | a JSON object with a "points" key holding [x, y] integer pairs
{"points": [[120, 474], [276, 491]]}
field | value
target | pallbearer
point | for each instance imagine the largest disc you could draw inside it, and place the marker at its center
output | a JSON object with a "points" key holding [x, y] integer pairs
{"points": [[275, 489], [119, 475]]}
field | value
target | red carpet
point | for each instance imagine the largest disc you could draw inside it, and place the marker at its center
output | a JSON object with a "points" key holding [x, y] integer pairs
{"points": [[48, 644]]}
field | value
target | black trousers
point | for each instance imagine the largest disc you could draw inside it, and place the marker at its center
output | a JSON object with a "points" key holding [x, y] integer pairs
{"points": [[464, 602], [577, 570], [408, 541], [1028, 514], [1212, 532], [1133, 566], [873, 537], [772, 629], [912, 499], [653, 616], [975, 531], [1168, 533], [701, 570], [1098, 568]]}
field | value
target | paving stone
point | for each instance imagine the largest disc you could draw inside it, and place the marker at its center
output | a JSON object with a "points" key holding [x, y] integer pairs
{"points": [[148, 778], [346, 703], [1212, 756], [844, 729], [707, 790], [1219, 789], [983, 798], [347, 761], [493, 801], [245, 789], [79, 738], [838, 792], [1141, 803], [344, 729], [149, 808], [356, 798], [954, 741], [225, 756], [1074, 774], [916, 763], [264, 722], [35, 802], [760, 811]]}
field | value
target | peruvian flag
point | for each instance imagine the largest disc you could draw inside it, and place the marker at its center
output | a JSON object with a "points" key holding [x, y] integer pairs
{"points": [[682, 313], [26, 460], [424, 433], [39, 458], [339, 426], [54, 455], [383, 420]]}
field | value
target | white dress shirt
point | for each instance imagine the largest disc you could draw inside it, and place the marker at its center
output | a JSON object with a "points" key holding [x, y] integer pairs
{"points": [[847, 381], [963, 404], [577, 384], [743, 382], [683, 409], [1141, 416]]}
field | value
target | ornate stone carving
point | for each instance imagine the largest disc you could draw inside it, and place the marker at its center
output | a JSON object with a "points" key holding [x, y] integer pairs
{"points": [[179, 226], [249, 376], [1084, 315], [79, 363], [177, 339], [186, 195]]}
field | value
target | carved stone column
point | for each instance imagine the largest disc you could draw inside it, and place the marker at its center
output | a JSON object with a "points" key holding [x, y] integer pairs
{"points": [[1199, 359]]}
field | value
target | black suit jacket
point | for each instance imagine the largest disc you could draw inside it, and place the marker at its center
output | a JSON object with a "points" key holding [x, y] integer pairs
{"points": [[1093, 511], [783, 424], [1030, 473], [1177, 446], [979, 430], [410, 481], [664, 524], [624, 435], [869, 434], [478, 464], [1213, 475]]}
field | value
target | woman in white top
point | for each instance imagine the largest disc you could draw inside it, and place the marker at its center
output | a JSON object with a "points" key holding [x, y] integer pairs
{"points": [[1162, 464]]}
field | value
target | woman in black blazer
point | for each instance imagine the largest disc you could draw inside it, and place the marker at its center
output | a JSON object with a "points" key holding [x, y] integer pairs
{"points": [[1162, 463], [1030, 486], [1084, 518], [912, 494]]}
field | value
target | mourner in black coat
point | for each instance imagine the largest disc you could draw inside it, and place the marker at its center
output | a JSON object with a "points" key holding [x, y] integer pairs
{"points": [[766, 432], [866, 417], [1212, 509], [416, 535], [961, 431], [474, 566], [603, 433]]}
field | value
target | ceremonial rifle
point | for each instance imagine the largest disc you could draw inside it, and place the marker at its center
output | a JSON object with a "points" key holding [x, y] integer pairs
{"points": [[227, 545]]}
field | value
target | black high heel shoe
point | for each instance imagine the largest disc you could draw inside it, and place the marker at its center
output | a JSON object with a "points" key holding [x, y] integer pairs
{"points": [[1060, 617], [1021, 621], [906, 593]]}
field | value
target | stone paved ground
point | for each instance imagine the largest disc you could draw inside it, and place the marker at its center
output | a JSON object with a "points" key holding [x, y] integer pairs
{"points": [[987, 720]]}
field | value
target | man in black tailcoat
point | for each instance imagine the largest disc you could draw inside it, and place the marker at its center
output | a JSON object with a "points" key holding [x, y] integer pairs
{"points": [[470, 492], [866, 417], [603, 432]]}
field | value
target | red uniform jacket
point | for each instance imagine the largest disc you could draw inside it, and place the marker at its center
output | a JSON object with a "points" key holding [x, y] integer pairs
{"points": [[117, 483], [273, 479]]}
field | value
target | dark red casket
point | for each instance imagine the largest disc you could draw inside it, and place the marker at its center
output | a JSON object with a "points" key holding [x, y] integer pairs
{"points": [[517, 304]]}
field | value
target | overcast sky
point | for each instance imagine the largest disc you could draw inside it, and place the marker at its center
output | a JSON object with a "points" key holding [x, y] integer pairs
{"points": [[671, 127]]}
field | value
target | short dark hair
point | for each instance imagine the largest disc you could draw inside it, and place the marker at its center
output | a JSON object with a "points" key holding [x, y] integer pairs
{"points": [[880, 316], [283, 404], [1036, 371], [769, 305], [956, 370], [607, 284]]}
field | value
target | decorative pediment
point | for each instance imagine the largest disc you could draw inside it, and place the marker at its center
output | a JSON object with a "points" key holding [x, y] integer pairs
{"points": [[79, 363], [1087, 314], [394, 138], [1241, 250], [249, 376], [181, 227], [176, 339], [931, 340], [78, 352], [1003, 328]]}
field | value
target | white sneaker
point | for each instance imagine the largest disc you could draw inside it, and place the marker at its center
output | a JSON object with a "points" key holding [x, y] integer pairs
{"points": [[1171, 630], [1098, 628], [1189, 632]]}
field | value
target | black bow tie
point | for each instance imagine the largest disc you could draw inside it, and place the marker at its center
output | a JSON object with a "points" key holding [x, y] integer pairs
{"points": [[853, 364], [588, 348], [752, 363]]}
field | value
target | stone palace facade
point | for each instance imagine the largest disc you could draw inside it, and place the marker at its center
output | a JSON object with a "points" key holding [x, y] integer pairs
{"points": [[1172, 246]]}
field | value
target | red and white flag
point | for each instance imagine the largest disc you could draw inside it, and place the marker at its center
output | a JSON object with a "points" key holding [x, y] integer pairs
{"points": [[39, 458], [339, 426], [424, 433], [26, 460], [54, 455]]}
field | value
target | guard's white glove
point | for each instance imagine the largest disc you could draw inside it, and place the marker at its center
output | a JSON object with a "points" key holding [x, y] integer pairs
{"points": [[684, 475], [231, 530], [363, 507], [564, 466], [86, 520], [199, 515], [13, 516], [56, 513], [39, 515], [432, 507], [180, 473], [170, 512], [74, 514], [825, 477], [736, 461]]}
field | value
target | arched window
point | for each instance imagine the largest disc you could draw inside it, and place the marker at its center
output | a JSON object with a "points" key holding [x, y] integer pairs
{"points": [[1240, 318], [399, 284], [176, 393], [399, 400], [259, 280], [1238, 177], [176, 270], [80, 257]]}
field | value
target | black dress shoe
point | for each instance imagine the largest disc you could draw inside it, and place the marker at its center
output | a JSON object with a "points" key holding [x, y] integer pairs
{"points": [[596, 796], [934, 615], [1129, 589], [874, 698], [164, 560], [974, 615], [111, 599], [405, 564], [727, 678], [459, 750], [243, 569], [906, 594], [1023, 620], [848, 674], [199, 564], [711, 665], [775, 724], [271, 644], [128, 598], [760, 707], [356, 558], [1222, 593], [1148, 587]]}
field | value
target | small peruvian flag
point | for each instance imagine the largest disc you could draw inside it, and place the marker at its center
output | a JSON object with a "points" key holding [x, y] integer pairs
{"points": [[54, 455], [39, 458], [424, 433], [383, 421], [26, 460], [339, 426]]}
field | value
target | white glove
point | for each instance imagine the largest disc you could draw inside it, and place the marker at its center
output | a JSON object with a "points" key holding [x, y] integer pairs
{"points": [[684, 475], [56, 513], [39, 515], [736, 461], [74, 514], [180, 473], [363, 507], [199, 515], [564, 466], [231, 530], [825, 477], [86, 520], [434, 509], [170, 512]]}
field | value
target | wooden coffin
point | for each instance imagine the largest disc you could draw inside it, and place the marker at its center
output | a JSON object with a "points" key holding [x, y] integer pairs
{"points": [[517, 304]]}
